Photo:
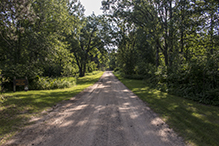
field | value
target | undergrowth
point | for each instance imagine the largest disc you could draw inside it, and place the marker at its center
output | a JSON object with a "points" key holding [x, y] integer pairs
{"points": [[17, 108], [197, 123], [197, 80], [46, 83]]}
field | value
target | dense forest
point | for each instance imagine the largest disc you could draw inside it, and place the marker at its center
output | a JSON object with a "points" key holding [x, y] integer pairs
{"points": [[50, 38], [172, 45]]}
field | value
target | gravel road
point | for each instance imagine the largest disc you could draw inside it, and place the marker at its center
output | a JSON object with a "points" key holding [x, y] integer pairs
{"points": [[105, 114]]}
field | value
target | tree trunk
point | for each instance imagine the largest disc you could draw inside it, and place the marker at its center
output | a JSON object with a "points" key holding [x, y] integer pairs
{"points": [[81, 74], [157, 56], [84, 69], [166, 56], [182, 28], [171, 35], [211, 33]]}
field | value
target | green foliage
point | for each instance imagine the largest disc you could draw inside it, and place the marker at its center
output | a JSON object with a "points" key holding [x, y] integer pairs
{"points": [[197, 81], [21, 71], [172, 45], [33, 39], [91, 66], [88, 45], [113, 60], [136, 77], [19, 107], [69, 70], [127, 54], [46, 83], [196, 123], [50, 38], [93, 73], [3, 80], [116, 69]]}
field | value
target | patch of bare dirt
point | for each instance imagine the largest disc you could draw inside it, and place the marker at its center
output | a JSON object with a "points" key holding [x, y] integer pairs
{"points": [[105, 114]]}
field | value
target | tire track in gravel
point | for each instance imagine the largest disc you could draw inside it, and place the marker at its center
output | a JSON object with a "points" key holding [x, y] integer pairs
{"points": [[106, 114]]}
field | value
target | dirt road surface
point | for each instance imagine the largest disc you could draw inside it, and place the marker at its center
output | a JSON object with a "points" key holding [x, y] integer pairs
{"points": [[106, 114]]}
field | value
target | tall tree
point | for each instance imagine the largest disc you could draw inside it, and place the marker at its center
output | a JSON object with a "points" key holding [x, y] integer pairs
{"points": [[32, 35], [88, 43]]}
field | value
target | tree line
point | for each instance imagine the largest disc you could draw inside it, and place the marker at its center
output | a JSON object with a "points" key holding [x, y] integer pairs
{"points": [[172, 44], [50, 38]]}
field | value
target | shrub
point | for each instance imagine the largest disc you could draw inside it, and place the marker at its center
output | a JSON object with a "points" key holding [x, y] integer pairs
{"points": [[197, 80], [135, 76], [116, 69], [46, 83], [93, 73]]}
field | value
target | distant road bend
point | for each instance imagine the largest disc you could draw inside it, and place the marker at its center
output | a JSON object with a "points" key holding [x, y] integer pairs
{"points": [[106, 114]]}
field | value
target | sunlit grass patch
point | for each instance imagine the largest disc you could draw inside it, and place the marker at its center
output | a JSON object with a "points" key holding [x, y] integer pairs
{"points": [[17, 108], [198, 124]]}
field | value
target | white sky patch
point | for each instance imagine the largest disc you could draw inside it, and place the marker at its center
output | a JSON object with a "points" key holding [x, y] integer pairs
{"points": [[92, 6]]}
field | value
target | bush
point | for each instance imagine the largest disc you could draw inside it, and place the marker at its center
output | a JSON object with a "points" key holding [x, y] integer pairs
{"points": [[116, 69], [197, 80], [93, 73], [136, 77], [46, 83], [91, 66]]}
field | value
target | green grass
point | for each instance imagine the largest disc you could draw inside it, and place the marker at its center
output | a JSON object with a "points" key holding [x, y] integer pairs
{"points": [[198, 124], [17, 108]]}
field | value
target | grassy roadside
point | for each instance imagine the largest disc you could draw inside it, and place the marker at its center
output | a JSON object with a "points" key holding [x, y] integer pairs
{"points": [[198, 124], [18, 107]]}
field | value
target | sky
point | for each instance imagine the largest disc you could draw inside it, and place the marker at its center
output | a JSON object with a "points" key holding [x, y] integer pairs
{"points": [[92, 6]]}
